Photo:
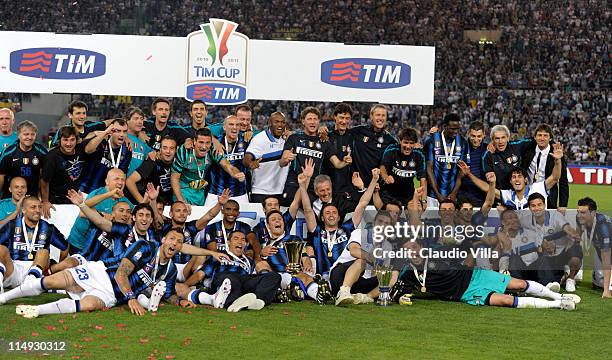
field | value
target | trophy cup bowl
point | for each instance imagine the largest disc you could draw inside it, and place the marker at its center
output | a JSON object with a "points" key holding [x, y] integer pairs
{"points": [[383, 274], [294, 249]]}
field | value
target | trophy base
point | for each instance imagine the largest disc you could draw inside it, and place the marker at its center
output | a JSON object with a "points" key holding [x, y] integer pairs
{"points": [[384, 298]]}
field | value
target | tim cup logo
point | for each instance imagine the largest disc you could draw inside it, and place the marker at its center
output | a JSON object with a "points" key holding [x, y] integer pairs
{"points": [[217, 64]]}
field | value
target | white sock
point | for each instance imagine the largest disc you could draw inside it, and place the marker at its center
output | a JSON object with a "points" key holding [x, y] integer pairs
{"points": [[2, 270], [200, 297], [30, 288], [143, 300], [285, 280], [312, 290], [539, 290], [61, 306], [345, 288], [536, 303]]}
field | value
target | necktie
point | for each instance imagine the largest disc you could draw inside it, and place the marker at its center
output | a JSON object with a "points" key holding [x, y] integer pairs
{"points": [[537, 169]]}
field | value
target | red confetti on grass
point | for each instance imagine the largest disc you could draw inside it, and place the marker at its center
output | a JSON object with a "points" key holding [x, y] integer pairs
{"points": [[163, 337], [99, 327], [76, 357], [143, 340], [34, 334], [104, 346], [51, 328], [210, 322], [233, 327], [74, 316], [285, 312], [170, 356], [60, 321], [88, 339], [120, 325], [65, 328]]}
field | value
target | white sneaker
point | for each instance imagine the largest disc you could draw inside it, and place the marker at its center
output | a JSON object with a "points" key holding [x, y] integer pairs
{"points": [[575, 298], [156, 295], [570, 285], [554, 286], [222, 294], [143, 300], [344, 298], [258, 304], [27, 311], [568, 304], [242, 302], [360, 298]]}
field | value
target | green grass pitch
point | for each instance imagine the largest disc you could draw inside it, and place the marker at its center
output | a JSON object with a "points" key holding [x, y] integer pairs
{"points": [[429, 329]]}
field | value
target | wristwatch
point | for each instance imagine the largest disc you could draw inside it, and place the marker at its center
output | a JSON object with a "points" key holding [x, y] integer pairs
{"points": [[130, 295]]}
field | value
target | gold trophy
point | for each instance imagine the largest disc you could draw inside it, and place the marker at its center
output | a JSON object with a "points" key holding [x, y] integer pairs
{"points": [[294, 249], [383, 274]]}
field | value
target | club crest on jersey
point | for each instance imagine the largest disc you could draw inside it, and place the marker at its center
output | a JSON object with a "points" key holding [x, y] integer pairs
{"points": [[35, 161], [411, 164], [318, 146], [524, 239], [43, 236], [509, 160], [310, 143], [514, 158], [365, 139], [138, 255], [381, 139], [157, 137]]}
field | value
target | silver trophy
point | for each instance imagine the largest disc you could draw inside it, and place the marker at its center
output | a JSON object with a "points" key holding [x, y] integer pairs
{"points": [[383, 274]]}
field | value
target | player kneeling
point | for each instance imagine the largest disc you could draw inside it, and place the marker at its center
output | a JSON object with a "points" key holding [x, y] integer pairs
{"points": [[95, 285]]}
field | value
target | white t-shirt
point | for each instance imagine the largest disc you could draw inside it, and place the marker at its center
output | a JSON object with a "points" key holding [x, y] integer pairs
{"points": [[554, 222], [526, 244], [362, 238], [269, 178], [510, 200]]}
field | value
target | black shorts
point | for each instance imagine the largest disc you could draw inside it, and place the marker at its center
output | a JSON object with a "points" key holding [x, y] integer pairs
{"points": [[362, 285]]}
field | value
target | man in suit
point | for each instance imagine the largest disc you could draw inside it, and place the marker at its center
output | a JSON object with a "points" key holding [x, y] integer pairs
{"points": [[539, 165]]}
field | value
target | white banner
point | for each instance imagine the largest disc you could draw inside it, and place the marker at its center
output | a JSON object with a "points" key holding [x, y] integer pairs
{"points": [[216, 64]]}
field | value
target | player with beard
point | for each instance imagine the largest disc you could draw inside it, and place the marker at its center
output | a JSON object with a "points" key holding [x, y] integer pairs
{"points": [[107, 150], [301, 147], [262, 157], [62, 170], [475, 150], [596, 229], [25, 243], [159, 127], [237, 284], [10, 207], [516, 197], [24, 158], [156, 172], [140, 150], [191, 168], [235, 147], [327, 241], [215, 236], [186, 264], [97, 285]]}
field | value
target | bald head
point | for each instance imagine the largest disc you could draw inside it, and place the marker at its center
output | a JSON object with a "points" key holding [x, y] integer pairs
{"points": [[115, 179], [7, 120], [231, 125], [18, 187]]}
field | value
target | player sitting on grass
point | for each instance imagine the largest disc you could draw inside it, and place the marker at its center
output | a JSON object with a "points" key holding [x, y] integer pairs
{"points": [[238, 286], [95, 285]]}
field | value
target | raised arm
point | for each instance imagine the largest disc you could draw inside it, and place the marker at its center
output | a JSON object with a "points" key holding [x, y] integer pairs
{"points": [[93, 144], [303, 181], [365, 198], [77, 199], [482, 185], [554, 177], [214, 211], [490, 198]]}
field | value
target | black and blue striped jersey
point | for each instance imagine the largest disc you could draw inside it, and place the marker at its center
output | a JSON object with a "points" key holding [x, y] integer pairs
{"points": [[328, 245], [220, 179], [143, 254], [98, 163], [190, 232], [19, 248], [102, 245], [445, 154], [213, 234]]}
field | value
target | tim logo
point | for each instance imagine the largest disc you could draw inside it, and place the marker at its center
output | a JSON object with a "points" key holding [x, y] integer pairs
{"points": [[58, 63], [217, 64], [365, 73]]}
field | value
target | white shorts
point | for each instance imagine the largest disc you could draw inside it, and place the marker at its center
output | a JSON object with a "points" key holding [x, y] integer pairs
{"points": [[20, 271], [94, 280], [432, 202], [212, 199], [180, 276]]}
